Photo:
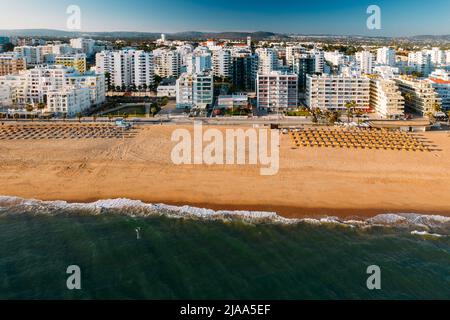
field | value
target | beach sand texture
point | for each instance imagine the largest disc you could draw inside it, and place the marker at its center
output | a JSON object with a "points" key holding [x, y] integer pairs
{"points": [[310, 182]]}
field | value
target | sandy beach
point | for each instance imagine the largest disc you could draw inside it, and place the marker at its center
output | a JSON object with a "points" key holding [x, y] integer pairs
{"points": [[310, 182]]}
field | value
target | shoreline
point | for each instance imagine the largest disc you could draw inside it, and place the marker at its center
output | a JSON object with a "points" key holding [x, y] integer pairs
{"points": [[282, 211]]}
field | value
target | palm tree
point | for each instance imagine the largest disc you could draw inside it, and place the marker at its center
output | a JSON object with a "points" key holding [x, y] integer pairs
{"points": [[64, 116], [79, 116], [437, 107], [332, 116], [409, 97], [359, 113], [29, 109], [350, 106], [41, 106], [431, 116], [94, 117], [110, 116], [315, 113], [153, 110]]}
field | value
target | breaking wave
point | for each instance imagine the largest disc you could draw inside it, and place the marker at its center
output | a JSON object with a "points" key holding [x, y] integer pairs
{"points": [[136, 208]]}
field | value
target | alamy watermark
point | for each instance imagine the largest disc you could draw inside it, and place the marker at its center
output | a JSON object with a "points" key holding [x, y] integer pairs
{"points": [[253, 146], [374, 281], [374, 20], [74, 280], [74, 19]]}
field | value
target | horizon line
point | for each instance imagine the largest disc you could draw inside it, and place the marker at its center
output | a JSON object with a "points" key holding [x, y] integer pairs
{"points": [[226, 31]]}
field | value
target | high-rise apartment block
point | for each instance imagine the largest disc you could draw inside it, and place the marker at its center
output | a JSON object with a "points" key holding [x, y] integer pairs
{"points": [[277, 91]]}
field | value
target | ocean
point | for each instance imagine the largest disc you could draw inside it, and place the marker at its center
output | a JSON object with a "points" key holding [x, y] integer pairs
{"points": [[129, 250]]}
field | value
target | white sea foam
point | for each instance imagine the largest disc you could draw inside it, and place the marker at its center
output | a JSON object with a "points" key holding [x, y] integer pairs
{"points": [[426, 234], [139, 208]]}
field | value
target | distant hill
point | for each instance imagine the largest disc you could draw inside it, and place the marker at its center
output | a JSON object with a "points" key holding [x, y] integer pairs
{"points": [[188, 35], [432, 37]]}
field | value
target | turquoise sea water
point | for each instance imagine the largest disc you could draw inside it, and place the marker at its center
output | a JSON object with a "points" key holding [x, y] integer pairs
{"points": [[200, 259]]}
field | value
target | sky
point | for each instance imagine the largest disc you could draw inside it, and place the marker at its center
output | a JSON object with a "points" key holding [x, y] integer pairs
{"points": [[344, 17]]}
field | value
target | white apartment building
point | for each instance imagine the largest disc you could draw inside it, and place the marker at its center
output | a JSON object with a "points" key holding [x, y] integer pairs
{"points": [[267, 60], [6, 96], [68, 100], [277, 91], [386, 56], [199, 62], [95, 82], [386, 72], [336, 58], [421, 62], [167, 63], [144, 73], [195, 90], [292, 52], [167, 88], [33, 86], [184, 50], [59, 49], [221, 62], [438, 56], [440, 80], [365, 61], [319, 57], [419, 95], [127, 67], [84, 45], [32, 55], [386, 98], [329, 92]]}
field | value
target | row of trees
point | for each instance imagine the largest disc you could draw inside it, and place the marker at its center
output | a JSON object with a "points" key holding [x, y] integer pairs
{"points": [[333, 116]]}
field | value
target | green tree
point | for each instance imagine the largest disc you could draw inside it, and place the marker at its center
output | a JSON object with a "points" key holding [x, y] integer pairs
{"points": [[350, 106], [41, 106], [359, 113], [153, 110], [29, 109], [409, 98], [437, 107]]}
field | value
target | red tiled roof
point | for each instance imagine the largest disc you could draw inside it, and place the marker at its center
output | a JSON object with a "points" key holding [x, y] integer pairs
{"points": [[440, 81]]}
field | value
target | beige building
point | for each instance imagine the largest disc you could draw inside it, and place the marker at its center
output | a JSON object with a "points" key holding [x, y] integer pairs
{"points": [[75, 61], [386, 98], [420, 96], [334, 92], [11, 63]]}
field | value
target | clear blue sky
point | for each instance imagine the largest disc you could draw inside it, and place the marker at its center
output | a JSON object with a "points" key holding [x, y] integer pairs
{"points": [[399, 17]]}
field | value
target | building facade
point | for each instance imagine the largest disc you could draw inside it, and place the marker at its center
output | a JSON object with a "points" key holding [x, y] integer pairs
{"points": [[386, 99], [420, 95], [11, 63], [277, 91], [334, 92], [195, 90]]}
